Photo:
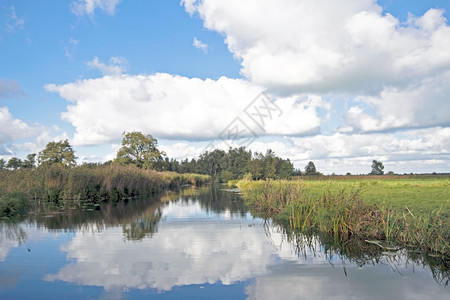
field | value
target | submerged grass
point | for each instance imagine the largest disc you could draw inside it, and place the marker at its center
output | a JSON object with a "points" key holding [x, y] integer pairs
{"points": [[104, 183], [392, 211]]}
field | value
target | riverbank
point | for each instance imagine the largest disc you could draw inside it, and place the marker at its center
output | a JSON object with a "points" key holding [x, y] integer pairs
{"points": [[91, 183], [405, 212]]}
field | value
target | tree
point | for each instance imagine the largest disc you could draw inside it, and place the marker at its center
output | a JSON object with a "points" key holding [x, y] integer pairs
{"points": [[211, 163], [310, 169], [256, 168], [57, 153], [140, 150], [297, 172], [238, 162], [2, 163], [285, 169], [235, 163], [377, 168], [30, 162], [14, 163], [270, 162]]}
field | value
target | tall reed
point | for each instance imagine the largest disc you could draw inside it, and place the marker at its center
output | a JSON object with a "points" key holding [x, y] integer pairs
{"points": [[57, 183], [342, 214]]}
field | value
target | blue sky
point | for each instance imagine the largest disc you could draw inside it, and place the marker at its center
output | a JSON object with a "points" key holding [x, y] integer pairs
{"points": [[353, 80]]}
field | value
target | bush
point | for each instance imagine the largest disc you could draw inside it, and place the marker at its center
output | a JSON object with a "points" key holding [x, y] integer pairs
{"points": [[13, 204]]}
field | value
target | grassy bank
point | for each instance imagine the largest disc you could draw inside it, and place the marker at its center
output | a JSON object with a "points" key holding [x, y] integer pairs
{"points": [[408, 212], [104, 183]]}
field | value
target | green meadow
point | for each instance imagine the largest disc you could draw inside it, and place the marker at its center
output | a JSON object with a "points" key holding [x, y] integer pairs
{"points": [[418, 194]]}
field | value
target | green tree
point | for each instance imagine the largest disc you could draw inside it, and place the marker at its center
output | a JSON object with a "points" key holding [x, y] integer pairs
{"points": [[140, 150], [270, 162], [310, 169], [211, 163], [285, 169], [256, 166], [2, 163], [14, 163], [377, 168], [30, 162], [171, 165], [57, 153], [235, 163], [238, 162]]}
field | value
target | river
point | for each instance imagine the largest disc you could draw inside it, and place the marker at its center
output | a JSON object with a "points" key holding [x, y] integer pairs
{"points": [[196, 244]]}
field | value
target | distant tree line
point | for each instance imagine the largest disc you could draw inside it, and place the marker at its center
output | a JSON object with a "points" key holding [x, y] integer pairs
{"points": [[235, 164], [141, 150]]}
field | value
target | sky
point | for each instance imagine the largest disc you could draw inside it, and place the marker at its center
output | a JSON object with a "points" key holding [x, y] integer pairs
{"points": [[339, 83]]}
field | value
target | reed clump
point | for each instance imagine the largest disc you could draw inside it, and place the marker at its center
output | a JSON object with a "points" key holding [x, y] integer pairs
{"points": [[344, 214], [95, 183]]}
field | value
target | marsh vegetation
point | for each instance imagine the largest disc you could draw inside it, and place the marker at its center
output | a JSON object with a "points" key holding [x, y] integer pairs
{"points": [[407, 213], [60, 185]]}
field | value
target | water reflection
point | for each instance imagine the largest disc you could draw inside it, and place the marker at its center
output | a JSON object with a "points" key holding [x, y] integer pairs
{"points": [[206, 236], [139, 218], [11, 235], [15, 235], [291, 281], [192, 246], [363, 253]]}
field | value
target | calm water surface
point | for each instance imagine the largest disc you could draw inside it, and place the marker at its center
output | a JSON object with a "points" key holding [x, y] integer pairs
{"points": [[200, 244]]}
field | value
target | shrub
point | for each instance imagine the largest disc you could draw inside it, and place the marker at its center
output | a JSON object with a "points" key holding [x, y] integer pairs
{"points": [[13, 204]]}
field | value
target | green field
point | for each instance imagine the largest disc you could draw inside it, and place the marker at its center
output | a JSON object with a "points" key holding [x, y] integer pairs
{"points": [[411, 212], [418, 194]]}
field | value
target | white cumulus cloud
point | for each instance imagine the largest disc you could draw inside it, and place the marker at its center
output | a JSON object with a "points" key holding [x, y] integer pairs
{"points": [[11, 128], [327, 45], [408, 151], [420, 105], [175, 107], [341, 49]]}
